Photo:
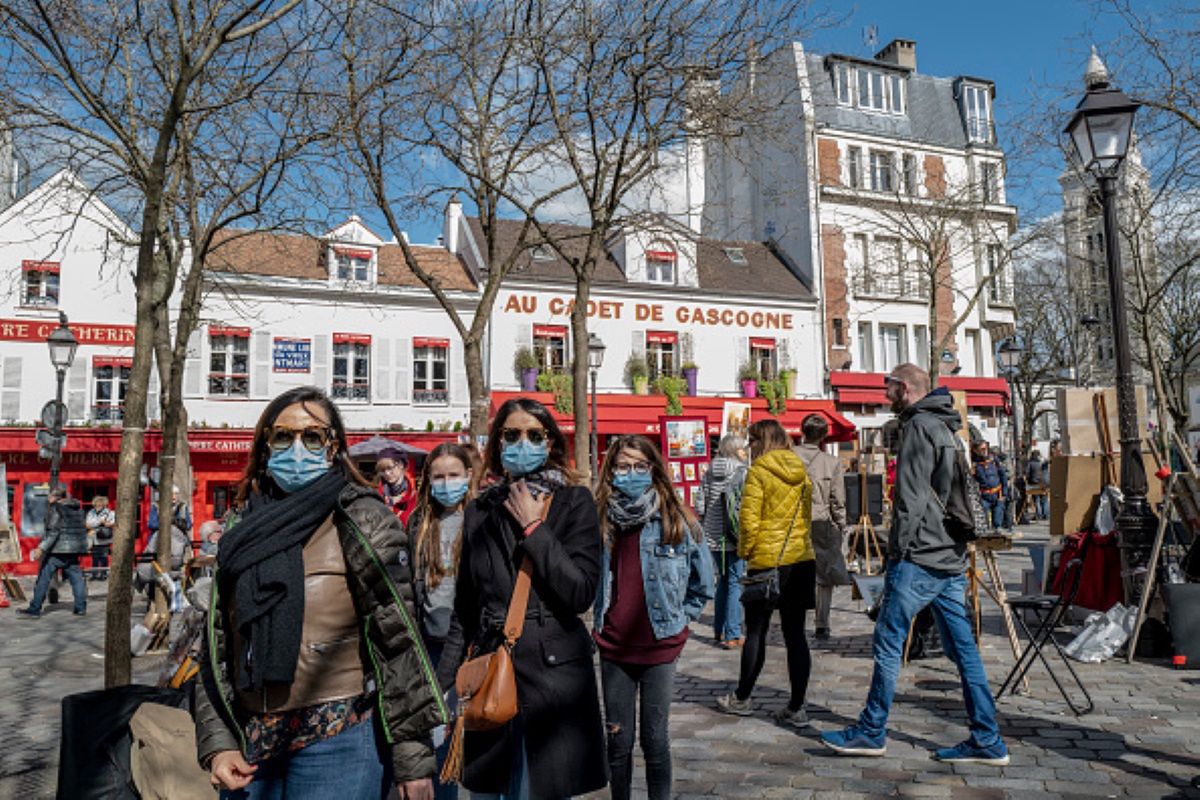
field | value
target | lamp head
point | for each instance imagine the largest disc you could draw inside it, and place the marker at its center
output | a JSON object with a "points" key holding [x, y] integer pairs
{"points": [[62, 344]]}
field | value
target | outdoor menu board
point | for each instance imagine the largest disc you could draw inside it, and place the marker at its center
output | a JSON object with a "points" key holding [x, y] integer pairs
{"points": [[685, 449]]}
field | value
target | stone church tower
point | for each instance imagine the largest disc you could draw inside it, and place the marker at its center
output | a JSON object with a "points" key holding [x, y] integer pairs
{"points": [[1087, 272]]}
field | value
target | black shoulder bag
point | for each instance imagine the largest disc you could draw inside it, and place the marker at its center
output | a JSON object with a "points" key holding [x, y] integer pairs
{"points": [[763, 587]]}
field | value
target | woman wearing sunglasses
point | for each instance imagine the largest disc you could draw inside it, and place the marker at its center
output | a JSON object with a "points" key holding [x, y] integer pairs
{"points": [[656, 576], [536, 512], [314, 682]]}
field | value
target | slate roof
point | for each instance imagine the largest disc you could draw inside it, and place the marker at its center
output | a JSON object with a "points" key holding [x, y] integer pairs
{"points": [[765, 272], [932, 115], [292, 255]]}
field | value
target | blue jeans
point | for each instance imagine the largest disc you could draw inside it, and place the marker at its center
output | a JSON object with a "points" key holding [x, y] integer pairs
{"points": [[908, 588], [349, 765], [727, 604], [994, 507], [70, 567], [1042, 505]]}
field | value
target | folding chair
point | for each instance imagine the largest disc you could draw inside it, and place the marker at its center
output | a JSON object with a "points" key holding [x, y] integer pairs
{"points": [[1049, 610]]}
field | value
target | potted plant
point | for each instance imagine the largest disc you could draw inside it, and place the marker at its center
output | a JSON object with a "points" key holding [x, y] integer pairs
{"points": [[637, 374], [562, 386], [690, 374], [775, 391], [525, 364], [788, 376], [673, 387], [749, 377]]}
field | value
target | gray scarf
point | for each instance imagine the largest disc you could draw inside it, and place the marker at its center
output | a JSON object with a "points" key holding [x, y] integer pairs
{"points": [[625, 514]]}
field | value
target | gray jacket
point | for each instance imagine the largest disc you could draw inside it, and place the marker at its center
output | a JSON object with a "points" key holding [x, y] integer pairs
{"points": [[65, 533], [925, 465]]}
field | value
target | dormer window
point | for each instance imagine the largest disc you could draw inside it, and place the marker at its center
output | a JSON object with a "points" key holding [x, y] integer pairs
{"points": [[869, 88], [977, 110], [660, 266], [353, 264], [736, 255]]}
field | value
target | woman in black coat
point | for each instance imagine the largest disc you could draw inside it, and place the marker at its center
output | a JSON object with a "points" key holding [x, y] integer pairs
{"points": [[555, 746]]}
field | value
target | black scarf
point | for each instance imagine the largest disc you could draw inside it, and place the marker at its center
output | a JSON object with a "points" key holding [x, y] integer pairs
{"points": [[261, 561], [625, 513]]}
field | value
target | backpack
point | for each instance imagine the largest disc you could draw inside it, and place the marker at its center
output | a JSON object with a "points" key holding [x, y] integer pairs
{"points": [[964, 518], [727, 504]]}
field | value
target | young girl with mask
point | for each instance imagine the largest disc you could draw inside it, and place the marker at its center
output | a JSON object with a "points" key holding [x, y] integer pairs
{"points": [[314, 682], [535, 513], [656, 576]]}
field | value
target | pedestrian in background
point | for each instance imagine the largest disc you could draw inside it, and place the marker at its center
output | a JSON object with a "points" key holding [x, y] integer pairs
{"points": [[313, 681], [1035, 480], [774, 533], [989, 474], [828, 516], [100, 522], [720, 503], [65, 541], [395, 484], [925, 569], [538, 512], [655, 577]]}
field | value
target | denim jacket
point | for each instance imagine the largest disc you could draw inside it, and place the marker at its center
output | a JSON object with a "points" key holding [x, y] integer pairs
{"points": [[677, 579]]}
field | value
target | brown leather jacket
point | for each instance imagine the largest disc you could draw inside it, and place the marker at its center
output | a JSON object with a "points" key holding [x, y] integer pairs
{"points": [[393, 665]]}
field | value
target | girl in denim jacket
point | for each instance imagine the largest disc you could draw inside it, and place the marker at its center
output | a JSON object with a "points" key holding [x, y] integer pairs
{"points": [[655, 577]]}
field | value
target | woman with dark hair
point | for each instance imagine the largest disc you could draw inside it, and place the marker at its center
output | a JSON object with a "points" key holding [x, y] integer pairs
{"points": [[656, 576], [775, 526], [314, 682], [535, 513]]}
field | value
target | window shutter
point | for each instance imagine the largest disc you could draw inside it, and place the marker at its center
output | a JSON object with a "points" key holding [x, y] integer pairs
{"points": [[686, 348], [784, 353], [320, 362], [153, 411], [525, 336], [10, 393], [381, 360], [260, 370], [193, 377], [401, 375], [456, 363], [77, 390], [639, 344], [742, 344]]}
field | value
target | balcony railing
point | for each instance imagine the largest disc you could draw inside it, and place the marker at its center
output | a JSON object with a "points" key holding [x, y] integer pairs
{"points": [[904, 286], [1000, 294]]}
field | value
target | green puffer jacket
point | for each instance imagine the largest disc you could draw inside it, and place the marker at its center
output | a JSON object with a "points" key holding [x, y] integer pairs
{"points": [[408, 702]]}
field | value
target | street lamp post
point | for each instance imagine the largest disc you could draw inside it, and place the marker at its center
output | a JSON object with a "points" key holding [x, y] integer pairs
{"points": [[1100, 132], [1010, 355], [595, 350], [62, 344]]}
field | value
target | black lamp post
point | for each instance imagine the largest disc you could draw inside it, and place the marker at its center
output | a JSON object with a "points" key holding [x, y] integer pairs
{"points": [[595, 361], [1100, 132], [1010, 355], [62, 345]]}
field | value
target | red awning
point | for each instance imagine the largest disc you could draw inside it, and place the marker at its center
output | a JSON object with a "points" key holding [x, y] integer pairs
{"points": [[351, 338], [228, 330], [41, 266], [759, 343], [549, 331], [430, 341], [866, 388], [661, 337]]}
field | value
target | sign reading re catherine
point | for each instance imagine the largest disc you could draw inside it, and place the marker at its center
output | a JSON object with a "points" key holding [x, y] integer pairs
{"points": [[26, 330], [654, 312]]}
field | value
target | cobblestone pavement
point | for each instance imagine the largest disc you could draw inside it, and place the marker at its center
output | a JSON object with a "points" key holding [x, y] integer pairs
{"points": [[1143, 739]]}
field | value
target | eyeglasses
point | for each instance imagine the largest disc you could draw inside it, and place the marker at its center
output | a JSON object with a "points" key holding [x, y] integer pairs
{"points": [[535, 436], [888, 380], [637, 468], [314, 439]]}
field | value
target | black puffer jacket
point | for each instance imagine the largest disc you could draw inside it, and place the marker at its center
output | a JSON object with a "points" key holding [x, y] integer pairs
{"points": [[410, 704], [65, 531]]}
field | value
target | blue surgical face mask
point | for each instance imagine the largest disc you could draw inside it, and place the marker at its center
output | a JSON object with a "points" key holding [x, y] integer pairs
{"points": [[297, 467], [633, 485], [523, 457], [449, 492]]}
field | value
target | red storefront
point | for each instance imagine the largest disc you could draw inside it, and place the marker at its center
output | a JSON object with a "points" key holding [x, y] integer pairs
{"points": [[89, 468]]}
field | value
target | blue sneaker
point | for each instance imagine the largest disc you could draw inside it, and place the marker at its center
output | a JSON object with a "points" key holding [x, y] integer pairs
{"points": [[853, 742], [970, 753]]}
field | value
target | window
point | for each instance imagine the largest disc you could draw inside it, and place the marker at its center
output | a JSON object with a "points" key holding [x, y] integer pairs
{"points": [[736, 255], [839, 333], [881, 171], [41, 283], [862, 245], [762, 356], [1000, 288], [854, 165], [353, 265], [351, 366], [431, 371], [910, 174], [550, 347], [110, 378], [988, 185], [221, 497], [229, 362], [977, 109], [866, 347], [893, 347], [841, 77], [661, 352], [660, 266], [880, 91], [921, 344]]}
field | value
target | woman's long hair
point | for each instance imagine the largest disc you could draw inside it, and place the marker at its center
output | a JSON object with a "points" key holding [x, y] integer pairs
{"points": [[428, 534], [767, 435], [557, 457], [674, 513], [256, 479]]}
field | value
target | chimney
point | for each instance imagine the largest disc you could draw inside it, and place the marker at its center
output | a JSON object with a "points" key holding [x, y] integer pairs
{"points": [[451, 224], [901, 52]]}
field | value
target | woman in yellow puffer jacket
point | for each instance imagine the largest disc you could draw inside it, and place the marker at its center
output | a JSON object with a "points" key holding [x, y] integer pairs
{"points": [[775, 524]]}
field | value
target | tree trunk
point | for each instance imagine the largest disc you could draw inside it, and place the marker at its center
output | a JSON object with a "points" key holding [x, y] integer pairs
{"points": [[579, 375], [477, 387]]}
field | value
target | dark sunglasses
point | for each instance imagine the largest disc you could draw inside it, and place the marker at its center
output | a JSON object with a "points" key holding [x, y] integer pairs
{"points": [[535, 436], [314, 439]]}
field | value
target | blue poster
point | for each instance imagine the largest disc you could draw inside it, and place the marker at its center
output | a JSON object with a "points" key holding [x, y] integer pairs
{"points": [[293, 355]]}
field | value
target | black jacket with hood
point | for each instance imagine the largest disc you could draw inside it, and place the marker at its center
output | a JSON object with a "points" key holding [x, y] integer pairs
{"points": [[925, 466]]}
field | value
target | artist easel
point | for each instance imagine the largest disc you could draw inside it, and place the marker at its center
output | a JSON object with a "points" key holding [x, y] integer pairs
{"points": [[11, 587], [865, 529]]}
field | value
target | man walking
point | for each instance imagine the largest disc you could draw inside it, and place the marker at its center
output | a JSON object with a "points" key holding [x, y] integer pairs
{"points": [[925, 569], [65, 541], [828, 516]]}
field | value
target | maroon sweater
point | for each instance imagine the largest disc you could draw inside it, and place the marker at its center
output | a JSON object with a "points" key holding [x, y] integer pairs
{"points": [[626, 636]]}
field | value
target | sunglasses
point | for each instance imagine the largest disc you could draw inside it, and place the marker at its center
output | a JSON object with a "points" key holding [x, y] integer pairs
{"points": [[638, 468], [535, 436], [314, 439], [888, 380]]}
